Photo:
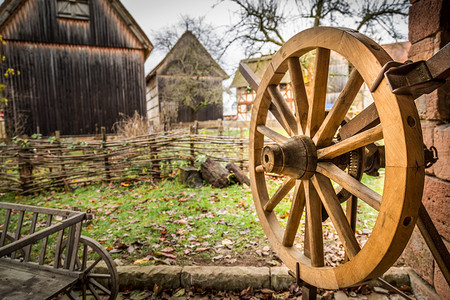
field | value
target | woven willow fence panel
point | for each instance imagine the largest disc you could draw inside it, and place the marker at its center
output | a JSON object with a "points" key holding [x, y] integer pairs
{"points": [[37, 164]]}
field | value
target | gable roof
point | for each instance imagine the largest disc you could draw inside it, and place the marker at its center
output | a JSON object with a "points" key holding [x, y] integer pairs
{"points": [[9, 7], [258, 66], [187, 36]]}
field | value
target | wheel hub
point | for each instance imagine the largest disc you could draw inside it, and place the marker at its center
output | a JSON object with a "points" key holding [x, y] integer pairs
{"points": [[296, 158]]}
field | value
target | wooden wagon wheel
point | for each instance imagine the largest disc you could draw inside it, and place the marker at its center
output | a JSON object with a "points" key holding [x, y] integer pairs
{"points": [[93, 283], [305, 155]]}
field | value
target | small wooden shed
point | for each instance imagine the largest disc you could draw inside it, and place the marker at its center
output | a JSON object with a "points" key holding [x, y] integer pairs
{"points": [[81, 64], [187, 63]]}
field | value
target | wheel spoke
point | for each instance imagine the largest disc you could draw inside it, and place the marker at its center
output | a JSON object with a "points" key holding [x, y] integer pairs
{"points": [[333, 207], [357, 141], [89, 269], [94, 293], [282, 191], [295, 214], [271, 134], [84, 292], [366, 119], [84, 259], [278, 116], [299, 91], [282, 106], [72, 295], [316, 112], [349, 183], [340, 108], [99, 286], [97, 275], [314, 213]]}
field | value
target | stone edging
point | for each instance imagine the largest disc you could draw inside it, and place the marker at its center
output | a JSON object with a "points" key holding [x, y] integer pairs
{"points": [[216, 277], [239, 278]]}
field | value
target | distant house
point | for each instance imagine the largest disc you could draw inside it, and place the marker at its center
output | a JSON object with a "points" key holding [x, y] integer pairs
{"points": [[245, 96], [185, 86], [81, 64]]}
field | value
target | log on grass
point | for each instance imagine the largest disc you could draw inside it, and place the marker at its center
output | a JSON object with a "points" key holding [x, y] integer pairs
{"points": [[191, 177], [214, 173], [238, 174]]}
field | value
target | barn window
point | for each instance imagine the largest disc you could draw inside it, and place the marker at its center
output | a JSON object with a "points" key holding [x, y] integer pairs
{"points": [[73, 9]]}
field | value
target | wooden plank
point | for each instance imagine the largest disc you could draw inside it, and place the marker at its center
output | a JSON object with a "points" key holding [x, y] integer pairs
{"points": [[314, 213], [340, 108], [287, 116], [332, 205], [352, 143], [41, 210], [295, 214], [45, 241], [366, 119], [316, 113], [5, 227], [32, 230], [280, 193], [434, 242], [40, 234], [349, 183], [299, 93], [39, 284], [249, 75], [18, 230], [273, 135]]}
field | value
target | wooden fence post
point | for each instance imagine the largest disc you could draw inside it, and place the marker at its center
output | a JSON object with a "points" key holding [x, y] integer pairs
{"points": [[25, 168], [105, 152], [241, 148], [220, 126], [193, 131], [156, 169], [60, 153]]}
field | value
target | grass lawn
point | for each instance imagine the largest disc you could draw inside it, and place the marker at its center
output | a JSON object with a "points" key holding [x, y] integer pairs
{"points": [[170, 224]]}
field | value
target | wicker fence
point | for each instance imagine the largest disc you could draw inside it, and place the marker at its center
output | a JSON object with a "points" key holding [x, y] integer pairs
{"points": [[29, 165]]}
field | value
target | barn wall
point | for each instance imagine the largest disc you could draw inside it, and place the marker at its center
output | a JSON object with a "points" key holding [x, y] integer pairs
{"points": [[74, 89], [152, 102], [36, 21]]}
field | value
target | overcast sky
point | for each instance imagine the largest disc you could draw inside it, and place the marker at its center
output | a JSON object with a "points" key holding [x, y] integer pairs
{"points": [[153, 15]]}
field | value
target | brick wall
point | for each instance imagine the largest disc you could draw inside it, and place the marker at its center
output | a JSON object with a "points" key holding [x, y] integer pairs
{"points": [[429, 30]]}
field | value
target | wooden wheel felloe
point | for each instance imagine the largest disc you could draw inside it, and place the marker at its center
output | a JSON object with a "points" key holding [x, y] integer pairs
{"points": [[306, 156], [93, 283]]}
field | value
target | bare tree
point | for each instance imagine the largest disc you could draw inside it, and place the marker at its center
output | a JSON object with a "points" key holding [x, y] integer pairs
{"points": [[259, 23], [207, 34], [262, 22]]}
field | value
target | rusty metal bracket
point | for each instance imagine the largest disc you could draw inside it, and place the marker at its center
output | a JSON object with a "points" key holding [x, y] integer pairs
{"points": [[431, 156], [416, 78]]}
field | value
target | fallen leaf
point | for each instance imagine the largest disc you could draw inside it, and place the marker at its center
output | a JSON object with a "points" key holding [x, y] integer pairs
{"points": [[201, 249], [179, 293], [218, 257], [168, 250], [140, 261]]}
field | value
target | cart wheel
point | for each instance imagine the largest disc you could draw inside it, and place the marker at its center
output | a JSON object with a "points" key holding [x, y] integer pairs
{"points": [[309, 157], [93, 282]]}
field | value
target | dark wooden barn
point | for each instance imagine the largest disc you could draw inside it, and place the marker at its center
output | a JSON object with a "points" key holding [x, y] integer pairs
{"points": [[81, 65], [185, 86]]}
